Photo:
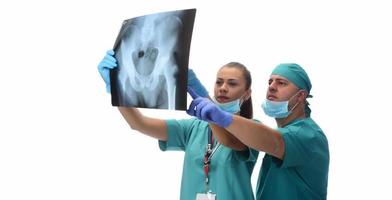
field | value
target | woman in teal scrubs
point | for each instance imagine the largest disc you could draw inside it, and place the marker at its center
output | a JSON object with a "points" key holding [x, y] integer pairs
{"points": [[295, 166], [211, 170]]}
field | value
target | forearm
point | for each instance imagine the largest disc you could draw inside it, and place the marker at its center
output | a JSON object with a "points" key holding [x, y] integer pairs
{"points": [[155, 128], [226, 138], [257, 136]]}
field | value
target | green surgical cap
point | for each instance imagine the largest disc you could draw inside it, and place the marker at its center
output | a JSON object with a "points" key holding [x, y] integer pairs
{"points": [[295, 74]]}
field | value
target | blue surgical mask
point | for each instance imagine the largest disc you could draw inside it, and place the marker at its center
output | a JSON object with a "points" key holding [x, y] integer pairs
{"points": [[278, 109], [231, 107]]}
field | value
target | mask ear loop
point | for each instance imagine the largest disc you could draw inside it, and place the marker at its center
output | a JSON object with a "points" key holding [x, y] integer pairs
{"points": [[291, 110], [242, 100]]}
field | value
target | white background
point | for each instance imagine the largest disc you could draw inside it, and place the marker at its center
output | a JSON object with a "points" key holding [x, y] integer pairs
{"points": [[60, 138]]}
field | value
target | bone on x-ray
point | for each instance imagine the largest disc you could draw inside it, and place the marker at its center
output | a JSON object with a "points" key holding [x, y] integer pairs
{"points": [[152, 52]]}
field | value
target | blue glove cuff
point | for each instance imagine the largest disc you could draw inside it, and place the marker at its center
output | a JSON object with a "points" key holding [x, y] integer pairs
{"points": [[196, 85], [108, 88]]}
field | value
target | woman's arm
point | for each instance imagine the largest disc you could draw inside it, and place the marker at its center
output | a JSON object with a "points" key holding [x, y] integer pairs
{"points": [[155, 128], [226, 138], [257, 136]]}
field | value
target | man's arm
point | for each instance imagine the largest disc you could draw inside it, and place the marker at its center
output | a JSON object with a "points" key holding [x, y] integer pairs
{"points": [[257, 136]]}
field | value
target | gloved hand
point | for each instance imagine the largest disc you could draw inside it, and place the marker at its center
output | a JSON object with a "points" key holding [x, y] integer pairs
{"points": [[206, 110], [108, 62], [195, 84]]}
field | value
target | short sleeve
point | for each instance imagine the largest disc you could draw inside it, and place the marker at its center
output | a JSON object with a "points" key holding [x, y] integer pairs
{"points": [[299, 142], [178, 134], [247, 155]]}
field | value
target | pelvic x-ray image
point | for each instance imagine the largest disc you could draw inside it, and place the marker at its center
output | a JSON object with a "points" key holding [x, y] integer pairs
{"points": [[152, 52]]}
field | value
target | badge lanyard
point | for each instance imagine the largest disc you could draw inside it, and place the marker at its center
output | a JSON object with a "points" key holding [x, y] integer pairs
{"points": [[210, 150]]}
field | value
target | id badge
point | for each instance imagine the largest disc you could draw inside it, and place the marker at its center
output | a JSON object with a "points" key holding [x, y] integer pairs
{"points": [[204, 196]]}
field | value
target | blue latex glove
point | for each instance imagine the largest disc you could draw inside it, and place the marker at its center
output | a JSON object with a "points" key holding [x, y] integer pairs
{"points": [[195, 84], [108, 62], [204, 109]]}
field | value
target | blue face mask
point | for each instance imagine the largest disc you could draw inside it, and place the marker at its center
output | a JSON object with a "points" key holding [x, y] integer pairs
{"points": [[231, 107], [278, 109]]}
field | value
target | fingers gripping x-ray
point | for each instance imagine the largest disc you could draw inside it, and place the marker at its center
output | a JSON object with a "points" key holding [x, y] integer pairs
{"points": [[147, 66]]}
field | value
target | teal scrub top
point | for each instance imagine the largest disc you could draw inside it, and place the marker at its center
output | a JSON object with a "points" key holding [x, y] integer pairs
{"points": [[303, 172], [229, 171]]}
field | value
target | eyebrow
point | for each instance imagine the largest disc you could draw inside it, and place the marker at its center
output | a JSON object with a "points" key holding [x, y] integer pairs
{"points": [[231, 79], [278, 79]]}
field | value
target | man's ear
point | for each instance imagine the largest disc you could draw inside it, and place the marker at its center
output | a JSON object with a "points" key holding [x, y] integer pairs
{"points": [[302, 95]]}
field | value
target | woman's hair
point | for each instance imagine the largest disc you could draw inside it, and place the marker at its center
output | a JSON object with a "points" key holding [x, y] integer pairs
{"points": [[246, 107]]}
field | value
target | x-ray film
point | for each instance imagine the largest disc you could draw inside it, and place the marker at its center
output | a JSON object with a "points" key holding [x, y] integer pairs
{"points": [[152, 53]]}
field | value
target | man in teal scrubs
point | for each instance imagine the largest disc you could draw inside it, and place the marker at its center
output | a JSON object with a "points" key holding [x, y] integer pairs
{"points": [[296, 162], [303, 171]]}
